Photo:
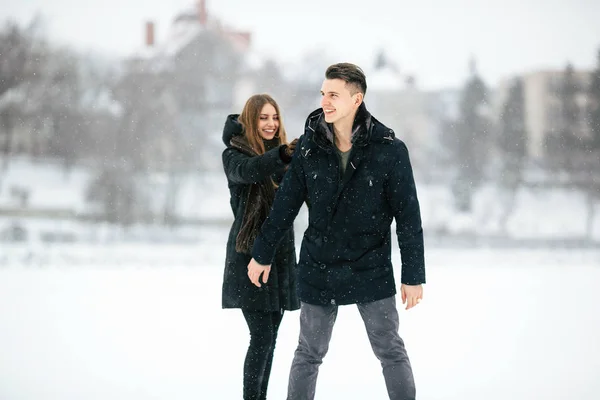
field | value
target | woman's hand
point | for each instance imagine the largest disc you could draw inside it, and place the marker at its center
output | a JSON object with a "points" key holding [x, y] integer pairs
{"points": [[255, 270], [290, 148]]}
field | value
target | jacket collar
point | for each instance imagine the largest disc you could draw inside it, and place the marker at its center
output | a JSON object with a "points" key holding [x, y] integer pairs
{"points": [[362, 128]]}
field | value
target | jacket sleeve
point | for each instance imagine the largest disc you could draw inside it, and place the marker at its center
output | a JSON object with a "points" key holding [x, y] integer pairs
{"points": [[243, 169], [402, 196], [288, 200]]}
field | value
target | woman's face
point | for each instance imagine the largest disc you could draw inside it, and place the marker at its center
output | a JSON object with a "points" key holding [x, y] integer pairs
{"points": [[268, 122]]}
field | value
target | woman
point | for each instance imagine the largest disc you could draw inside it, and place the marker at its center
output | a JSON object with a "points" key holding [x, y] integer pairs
{"points": [[255, 160]]}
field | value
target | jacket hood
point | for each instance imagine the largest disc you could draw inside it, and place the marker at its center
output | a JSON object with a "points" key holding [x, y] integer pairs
{"points": [[232, 128], [363, 130]]}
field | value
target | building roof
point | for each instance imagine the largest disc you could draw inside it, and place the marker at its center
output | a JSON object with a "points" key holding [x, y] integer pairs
{"points": [[184, 29]]}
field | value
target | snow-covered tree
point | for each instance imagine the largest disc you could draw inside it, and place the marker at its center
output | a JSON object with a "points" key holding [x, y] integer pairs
{"points": [[512, 141], [470, 140]]}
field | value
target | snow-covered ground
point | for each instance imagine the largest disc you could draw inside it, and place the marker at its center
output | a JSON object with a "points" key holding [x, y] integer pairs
{"points": [[141, 322], [535, 214]]}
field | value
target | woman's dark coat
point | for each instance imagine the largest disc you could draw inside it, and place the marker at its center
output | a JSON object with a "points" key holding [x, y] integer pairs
{"points": [[250, 179]]}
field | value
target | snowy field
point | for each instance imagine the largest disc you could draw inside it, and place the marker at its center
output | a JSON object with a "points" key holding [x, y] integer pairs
{"points": [[141, 322], [535, 214]]}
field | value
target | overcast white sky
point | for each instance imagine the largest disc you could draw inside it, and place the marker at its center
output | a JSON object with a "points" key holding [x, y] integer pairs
{"points": [[431, 38]]}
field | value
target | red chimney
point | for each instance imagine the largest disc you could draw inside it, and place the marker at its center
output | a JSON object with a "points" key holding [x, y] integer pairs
{"points": [[149, 33], [202, 13]]}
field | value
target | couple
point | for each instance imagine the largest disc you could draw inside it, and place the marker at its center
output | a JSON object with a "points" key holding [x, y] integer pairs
{"points": [[355, 177]]}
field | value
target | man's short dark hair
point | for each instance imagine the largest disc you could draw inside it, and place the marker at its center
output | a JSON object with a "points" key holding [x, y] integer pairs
{"points": [[349, 73]]}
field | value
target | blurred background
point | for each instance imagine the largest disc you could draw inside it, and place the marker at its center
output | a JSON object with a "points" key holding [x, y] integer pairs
{"points": [[111, 115]]}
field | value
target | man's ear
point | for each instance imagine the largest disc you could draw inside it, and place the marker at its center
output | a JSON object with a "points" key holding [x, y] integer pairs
{"points": [[359, 99]]}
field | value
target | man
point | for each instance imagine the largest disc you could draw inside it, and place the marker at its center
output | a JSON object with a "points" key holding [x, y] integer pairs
{"points": [[355, 177]]}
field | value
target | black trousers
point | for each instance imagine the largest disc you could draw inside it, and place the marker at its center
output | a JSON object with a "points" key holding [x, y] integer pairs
{"points": [[259, 358]]}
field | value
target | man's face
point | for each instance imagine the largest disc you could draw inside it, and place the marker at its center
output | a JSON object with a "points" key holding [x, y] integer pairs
{"points": [[337, 102]]}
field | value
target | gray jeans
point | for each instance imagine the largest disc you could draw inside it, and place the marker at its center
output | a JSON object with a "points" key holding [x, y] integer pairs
{"points": [[381, 322]]}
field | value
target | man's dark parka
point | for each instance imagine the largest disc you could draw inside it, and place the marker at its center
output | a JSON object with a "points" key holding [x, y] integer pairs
{"points": [[345, 256]]}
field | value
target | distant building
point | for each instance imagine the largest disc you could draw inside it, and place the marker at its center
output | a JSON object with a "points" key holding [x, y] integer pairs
{"points": [[543, 108], [207, 69], [394, 98]]}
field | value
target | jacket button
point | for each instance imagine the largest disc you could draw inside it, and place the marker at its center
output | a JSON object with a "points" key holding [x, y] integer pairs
{"points": [[323, 266], [329, 180], [328, 209], [323, 293], [325, 239]]}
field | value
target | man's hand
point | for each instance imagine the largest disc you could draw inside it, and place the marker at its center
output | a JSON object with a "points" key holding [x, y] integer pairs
{"points": [[255, 270], [411, 295]]}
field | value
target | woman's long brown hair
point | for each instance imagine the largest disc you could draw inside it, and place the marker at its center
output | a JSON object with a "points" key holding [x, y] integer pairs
{"points": [[250, 117]]}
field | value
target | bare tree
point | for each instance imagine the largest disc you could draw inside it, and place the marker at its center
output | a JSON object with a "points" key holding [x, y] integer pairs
{"points": [[116, 196], [512, 147], [592, 148], [471, 140], [573, 148], [21, 60]]}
